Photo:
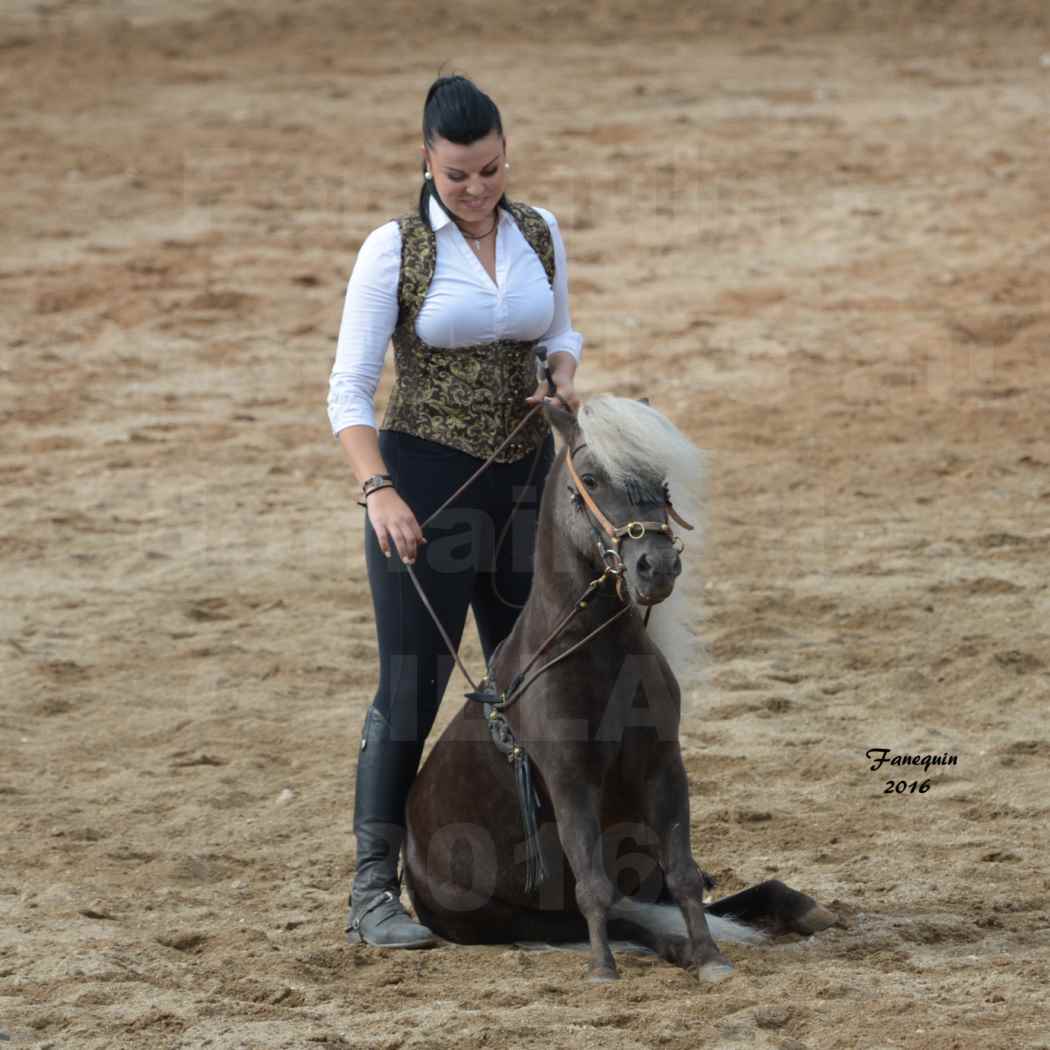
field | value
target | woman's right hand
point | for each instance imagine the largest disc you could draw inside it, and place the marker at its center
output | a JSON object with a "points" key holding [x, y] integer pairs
{"points": [[394, 523]]}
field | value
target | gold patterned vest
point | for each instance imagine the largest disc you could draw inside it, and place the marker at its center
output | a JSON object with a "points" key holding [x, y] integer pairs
{"points": [[468, 397]]}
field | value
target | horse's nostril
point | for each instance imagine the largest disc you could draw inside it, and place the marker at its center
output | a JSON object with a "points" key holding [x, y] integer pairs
{"points": [[644, 565], [677, 570]]}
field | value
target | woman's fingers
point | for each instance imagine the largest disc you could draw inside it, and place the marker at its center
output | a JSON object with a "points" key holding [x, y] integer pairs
{"points": [[417, 532], [388, 535], [406, 543], [382, 537], [395, 526], [565, 394], [413, 535], [407, 537]]}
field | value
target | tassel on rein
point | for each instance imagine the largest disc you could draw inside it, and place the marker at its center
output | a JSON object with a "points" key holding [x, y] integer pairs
{"points": [[528, 799], [529, 804]]}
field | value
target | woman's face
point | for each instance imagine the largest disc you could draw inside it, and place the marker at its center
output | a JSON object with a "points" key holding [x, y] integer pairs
{"points": [[469, 179]]}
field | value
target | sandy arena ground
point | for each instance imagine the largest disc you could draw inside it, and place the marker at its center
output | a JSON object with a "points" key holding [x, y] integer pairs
{"points": [[818, 239]]}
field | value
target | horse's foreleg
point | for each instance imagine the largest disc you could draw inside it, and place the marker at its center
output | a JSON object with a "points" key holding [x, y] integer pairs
{"points": [[667, 801], [576, 807]]}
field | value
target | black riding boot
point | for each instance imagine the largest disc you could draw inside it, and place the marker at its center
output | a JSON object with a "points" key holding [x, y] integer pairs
{"points": [[385, 771]]}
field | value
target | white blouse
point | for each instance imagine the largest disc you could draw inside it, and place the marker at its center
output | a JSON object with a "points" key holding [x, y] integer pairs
{"points": [[463, 306]]}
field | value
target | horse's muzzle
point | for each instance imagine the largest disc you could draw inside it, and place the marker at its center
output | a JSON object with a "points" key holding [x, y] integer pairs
{"points": [[654, 574]]}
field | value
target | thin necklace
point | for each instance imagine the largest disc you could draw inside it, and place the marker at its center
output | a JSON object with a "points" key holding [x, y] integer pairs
{"points": [[477, 240]]}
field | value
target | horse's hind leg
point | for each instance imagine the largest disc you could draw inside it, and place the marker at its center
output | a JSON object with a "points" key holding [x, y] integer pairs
{"points": [[774, 903]]}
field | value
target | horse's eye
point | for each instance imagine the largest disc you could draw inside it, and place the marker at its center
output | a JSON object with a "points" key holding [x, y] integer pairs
{"points": [[589, 481]]}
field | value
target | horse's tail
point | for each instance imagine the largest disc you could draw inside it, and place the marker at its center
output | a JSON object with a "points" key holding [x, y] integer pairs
{"points": [[648, 924], [726, 929]]}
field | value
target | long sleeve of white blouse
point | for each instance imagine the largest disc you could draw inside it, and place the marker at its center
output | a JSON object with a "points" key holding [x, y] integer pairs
{"points": [[370, 309]]}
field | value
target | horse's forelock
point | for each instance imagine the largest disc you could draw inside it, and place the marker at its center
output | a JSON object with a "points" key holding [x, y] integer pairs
{"points": [[630, 439]]}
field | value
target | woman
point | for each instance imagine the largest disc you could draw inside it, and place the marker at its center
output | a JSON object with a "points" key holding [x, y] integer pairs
{"points": [[467, 289]]}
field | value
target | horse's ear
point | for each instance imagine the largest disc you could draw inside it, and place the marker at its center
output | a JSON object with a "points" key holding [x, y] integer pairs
{"points": [[563, 422]]}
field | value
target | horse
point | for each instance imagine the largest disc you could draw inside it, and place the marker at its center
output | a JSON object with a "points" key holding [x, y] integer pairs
{"points": [[558, 809]]}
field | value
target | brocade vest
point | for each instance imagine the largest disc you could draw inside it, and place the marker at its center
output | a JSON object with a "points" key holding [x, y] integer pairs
{"points": [[467, 397]]}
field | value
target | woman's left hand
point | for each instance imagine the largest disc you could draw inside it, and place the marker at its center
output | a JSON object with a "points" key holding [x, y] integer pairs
{"points": [[566, 392]]}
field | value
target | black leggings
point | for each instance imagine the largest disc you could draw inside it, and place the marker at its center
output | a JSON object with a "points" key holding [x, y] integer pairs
{"points": [[475, 556]]}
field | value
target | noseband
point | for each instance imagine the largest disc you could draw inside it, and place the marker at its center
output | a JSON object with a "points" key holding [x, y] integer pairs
{"points": [[634, 530]]}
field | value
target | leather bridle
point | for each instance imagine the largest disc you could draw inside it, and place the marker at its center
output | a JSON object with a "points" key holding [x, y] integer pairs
{"points": [[616, 534], [612, 562]]}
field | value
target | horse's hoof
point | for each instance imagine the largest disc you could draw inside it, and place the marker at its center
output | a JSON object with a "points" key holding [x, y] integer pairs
{"points": [[602, 975], [715, 969], [816, 919]]}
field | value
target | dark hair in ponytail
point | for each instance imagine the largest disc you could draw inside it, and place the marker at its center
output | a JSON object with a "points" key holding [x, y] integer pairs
{"points": [[457, 110]]}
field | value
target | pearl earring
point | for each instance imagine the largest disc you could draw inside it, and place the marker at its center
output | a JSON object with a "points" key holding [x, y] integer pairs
{"points": [[507, 165], [426, 175]]}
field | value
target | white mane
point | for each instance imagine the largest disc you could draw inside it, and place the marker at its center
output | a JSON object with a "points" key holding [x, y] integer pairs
{"points": [[630, 439]]}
